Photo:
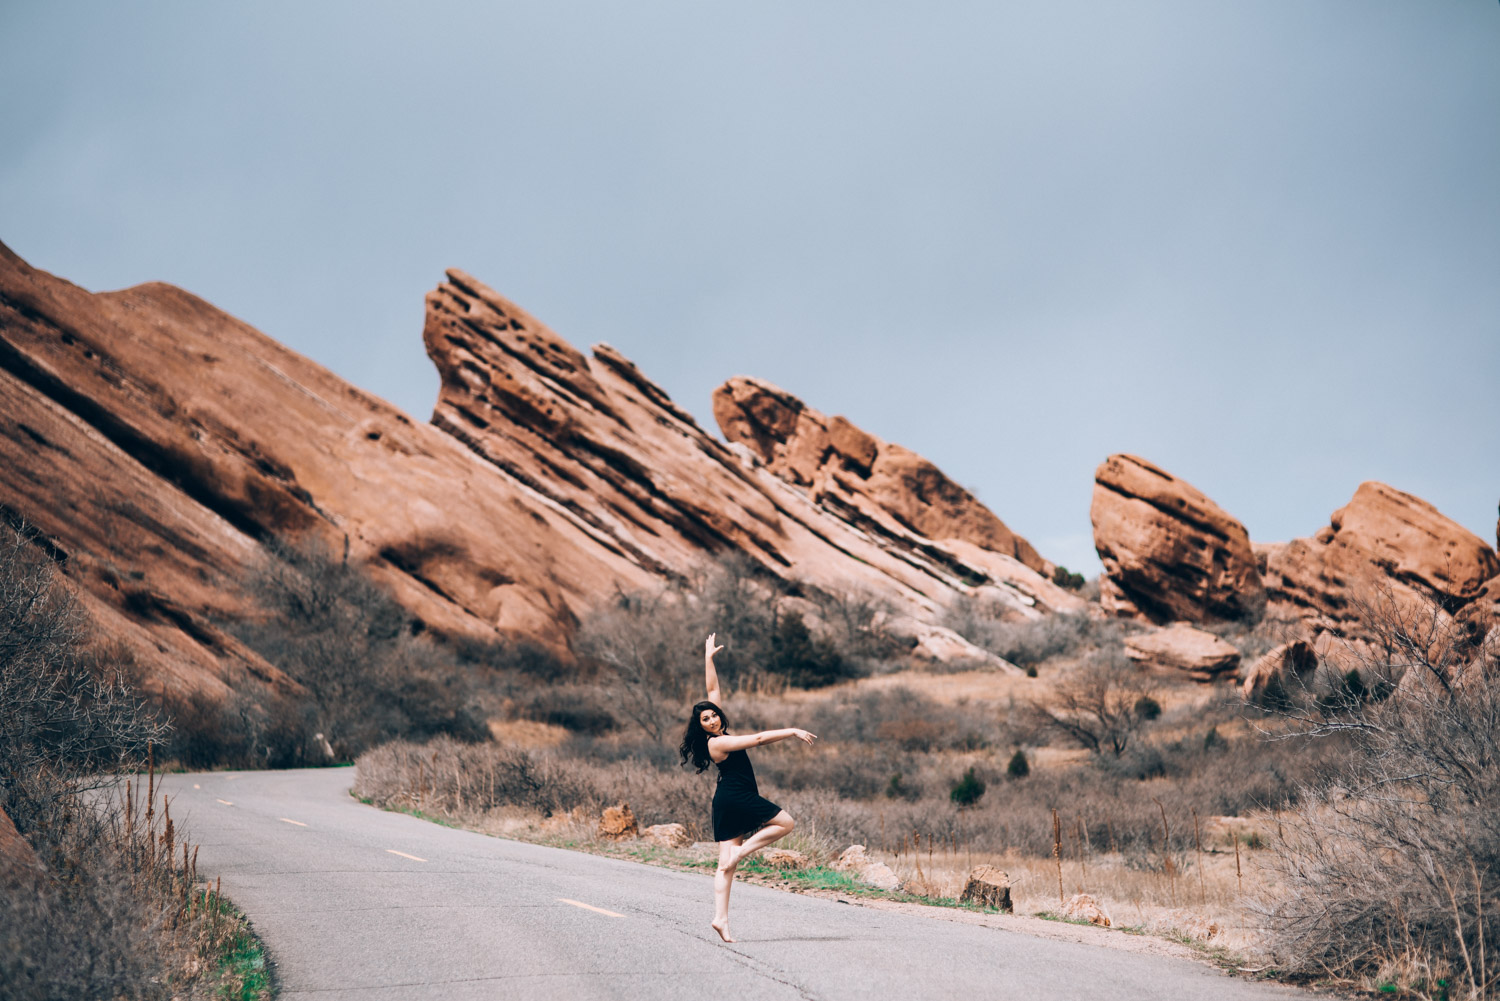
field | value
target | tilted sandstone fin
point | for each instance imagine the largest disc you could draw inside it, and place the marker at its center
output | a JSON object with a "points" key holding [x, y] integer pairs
{"points": [[1384, 545], [1169, 553], [848, 469]]}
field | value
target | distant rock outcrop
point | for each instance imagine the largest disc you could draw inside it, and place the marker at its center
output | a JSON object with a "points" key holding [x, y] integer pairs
{"points": [[1293, 660], [903, 502], [1182, 651], [156, 442], [1170, 554], [1384, 545]]}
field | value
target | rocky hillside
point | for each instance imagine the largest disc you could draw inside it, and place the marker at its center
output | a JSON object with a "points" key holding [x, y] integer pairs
{"points": [[1172, 556], [156, 442]]}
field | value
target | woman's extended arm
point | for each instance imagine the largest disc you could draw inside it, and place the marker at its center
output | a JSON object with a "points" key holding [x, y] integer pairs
{"points": [[708, 668], [723, 745]]}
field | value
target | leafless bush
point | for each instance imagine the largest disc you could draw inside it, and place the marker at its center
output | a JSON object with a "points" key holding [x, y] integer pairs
{"points": [[1257, 634], [66, 712], [904, 718], [96, 905], [1397, 864], [645, 645], [1103, 706], [1028, 642], [350, 644], [446, 776], [581, 708]]}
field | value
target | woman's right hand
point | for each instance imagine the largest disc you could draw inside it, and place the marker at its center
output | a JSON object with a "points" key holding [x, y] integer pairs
{"points": [[804, 736], [708, 646]]}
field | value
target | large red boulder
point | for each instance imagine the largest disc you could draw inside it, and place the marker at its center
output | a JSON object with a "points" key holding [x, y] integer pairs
{"points": [[1169, 553], [1385, 546]]}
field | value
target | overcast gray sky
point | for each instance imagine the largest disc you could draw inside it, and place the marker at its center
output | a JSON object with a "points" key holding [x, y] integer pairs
{"points": [[1255, 242]]}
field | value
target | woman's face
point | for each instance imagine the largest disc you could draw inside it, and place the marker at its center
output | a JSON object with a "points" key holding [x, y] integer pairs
{"points": [[709, 720]]}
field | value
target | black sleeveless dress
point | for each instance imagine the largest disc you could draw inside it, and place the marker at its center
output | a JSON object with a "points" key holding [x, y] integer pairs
{"points": [[739, 807]]}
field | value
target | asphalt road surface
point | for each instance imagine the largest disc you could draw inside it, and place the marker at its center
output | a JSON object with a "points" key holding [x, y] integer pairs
{"points": [[354, 902]]}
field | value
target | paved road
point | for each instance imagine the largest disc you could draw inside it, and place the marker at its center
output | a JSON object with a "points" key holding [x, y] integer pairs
{"points": [[354, 902]]}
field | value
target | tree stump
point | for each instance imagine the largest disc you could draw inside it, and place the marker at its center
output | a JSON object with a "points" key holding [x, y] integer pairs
{"points": [[988, 886]]}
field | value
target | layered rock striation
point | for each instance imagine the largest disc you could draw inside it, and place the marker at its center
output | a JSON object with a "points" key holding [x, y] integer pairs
{"points": [[595, 437], [156, 443], [898, 499], [1385, 546], [1170, 554]]}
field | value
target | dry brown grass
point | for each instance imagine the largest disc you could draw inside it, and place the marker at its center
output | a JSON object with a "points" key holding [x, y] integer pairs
{"points": [[1205, 902], [103, 900], [116, 909]]}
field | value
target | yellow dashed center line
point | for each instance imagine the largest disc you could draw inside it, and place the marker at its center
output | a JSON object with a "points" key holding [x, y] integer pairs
{"points": [[286, 820], [226, 802], [404, 855], [590, 907]]}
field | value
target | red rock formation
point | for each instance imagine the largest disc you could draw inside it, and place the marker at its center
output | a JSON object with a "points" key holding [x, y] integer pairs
{"points": [[1181, 650], [1169, 553], [1295, 659], [599, 440], [894, 498], [156, 441], [855, 474], [1384, 544]]}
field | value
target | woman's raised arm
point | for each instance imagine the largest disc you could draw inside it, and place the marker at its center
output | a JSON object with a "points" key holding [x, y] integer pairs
{"points": [[711, 676], [724, 745]]}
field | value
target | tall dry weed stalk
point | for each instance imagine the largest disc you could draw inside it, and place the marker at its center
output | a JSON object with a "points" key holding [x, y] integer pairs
{"points": [[1057, 853], [1166, 852]]}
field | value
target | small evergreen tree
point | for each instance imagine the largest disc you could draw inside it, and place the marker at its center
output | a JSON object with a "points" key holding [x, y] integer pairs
{"points": [[967, 790], [1019, 767], [802, 660]]}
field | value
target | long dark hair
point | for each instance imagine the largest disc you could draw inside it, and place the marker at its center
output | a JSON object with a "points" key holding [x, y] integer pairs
{"points": [[695, 738]]}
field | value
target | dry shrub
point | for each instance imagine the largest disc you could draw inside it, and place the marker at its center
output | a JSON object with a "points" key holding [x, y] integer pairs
{"points": [[644, 644], [355, 650], [446, 776], [1394, 869], [67, 714], [902, 716], [1102, 706], [1026, 643], [105, 909]]}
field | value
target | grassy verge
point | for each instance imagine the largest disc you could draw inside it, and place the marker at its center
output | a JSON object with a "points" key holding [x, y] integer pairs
{"points": [[240, 971]]}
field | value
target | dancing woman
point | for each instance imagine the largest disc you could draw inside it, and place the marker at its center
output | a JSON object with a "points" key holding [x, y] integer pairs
{"points": [[739, 808]]}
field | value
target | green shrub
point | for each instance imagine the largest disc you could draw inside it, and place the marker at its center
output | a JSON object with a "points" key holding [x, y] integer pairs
{"points": [[968, 789], [899, 788], [1062, 578], [804, 661], [1019, 767]]}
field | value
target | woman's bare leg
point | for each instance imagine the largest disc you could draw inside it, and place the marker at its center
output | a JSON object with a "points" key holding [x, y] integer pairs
{"points": [[723, 882], [776, 828]]}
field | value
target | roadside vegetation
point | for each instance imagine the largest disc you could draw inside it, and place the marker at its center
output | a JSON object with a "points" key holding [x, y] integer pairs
{"points": [[1257, 831], [100, 895], [1254, 831]]}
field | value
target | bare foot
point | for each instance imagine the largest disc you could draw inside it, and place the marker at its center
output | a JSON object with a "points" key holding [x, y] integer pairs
{"points": [[734, 859], [722, 929]]}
